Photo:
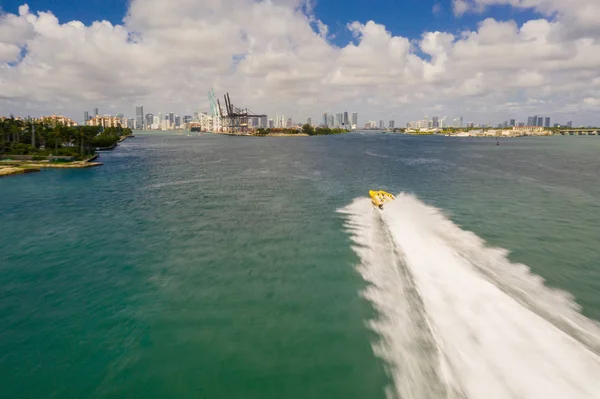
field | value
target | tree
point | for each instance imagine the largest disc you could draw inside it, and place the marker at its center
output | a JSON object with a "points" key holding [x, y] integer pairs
{"points": [[308, 129]]}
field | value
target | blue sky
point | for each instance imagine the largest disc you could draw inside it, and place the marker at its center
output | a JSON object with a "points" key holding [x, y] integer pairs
{"points": [[285, 69], [408, 18]]}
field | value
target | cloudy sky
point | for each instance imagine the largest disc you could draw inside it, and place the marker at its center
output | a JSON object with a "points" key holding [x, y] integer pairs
{"points": [[485, 60]]}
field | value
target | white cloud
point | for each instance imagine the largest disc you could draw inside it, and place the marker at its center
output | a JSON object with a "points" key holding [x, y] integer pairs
{"points": [[274, 56]]}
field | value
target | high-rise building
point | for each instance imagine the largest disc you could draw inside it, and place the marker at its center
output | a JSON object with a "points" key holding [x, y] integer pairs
{"points": [[325, 119], [570, 124], [171, 119], [391, 124], [309, 121], [330, 120], [512, 123], [139, 117], [271, 124], [149, 119], [346, 122], [355, 119], [381, 124], [532, 121], [337, 120], [547, 121], [86, 117], [435, 122], [177, 120], [263, 122], [95, 111], [289, 123], [540, 121]]}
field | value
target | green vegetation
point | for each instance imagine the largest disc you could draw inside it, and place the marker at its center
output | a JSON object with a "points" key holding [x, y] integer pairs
{"points": [[21, 137], [321, 131], [264, 132]]}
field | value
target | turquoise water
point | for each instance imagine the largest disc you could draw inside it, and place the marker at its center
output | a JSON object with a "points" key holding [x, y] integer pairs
{"points": [[220, 267]]}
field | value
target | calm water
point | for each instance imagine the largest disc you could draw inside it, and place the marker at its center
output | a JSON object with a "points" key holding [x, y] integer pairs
{"points": [[230, 267]]}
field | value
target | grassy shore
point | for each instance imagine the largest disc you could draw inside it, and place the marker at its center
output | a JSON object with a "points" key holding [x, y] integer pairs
{"points": [[15, 167], [15, 170]]}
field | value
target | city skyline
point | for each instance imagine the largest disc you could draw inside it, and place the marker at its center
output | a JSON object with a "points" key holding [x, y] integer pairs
{"points": [[460, 57]]}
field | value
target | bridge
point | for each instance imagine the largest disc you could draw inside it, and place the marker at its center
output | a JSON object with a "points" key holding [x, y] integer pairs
{"points": [[580, 132]]}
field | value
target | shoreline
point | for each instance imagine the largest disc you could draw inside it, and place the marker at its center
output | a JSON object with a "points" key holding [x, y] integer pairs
{"points": [[11, 168]]}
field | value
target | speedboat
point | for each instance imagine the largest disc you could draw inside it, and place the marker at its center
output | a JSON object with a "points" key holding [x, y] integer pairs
{"points": [[378, 198]]}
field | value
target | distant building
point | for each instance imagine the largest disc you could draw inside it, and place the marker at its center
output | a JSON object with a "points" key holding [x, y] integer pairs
{"points": [[391, 124], [289, 123], [271, 123], [381, 124], [330, 120], [540, 121], [149, 120], [570, 124], [521, 124], [547, 121], [57, 120], [309, 121], [435, 122], [529, 129], [106, 121], [95, 111], [470, 125], [325, 119], [345, 121], [532, 121], [355, 119], [139, 117], [512, 123], [86, 117]]}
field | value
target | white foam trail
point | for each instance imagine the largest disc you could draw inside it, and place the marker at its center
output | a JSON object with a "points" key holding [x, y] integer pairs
{"points": [[456, 318]]}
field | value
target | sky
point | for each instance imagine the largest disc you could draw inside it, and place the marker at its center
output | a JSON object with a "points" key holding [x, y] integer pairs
{"points": [[485, 60]]}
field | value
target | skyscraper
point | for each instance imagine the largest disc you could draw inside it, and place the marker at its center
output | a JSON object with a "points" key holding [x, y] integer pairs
{"points": [[512, 123], [547, 121], [355, 119], [330, 121], [325, 119], [95, 111], [149, 119], [570, 124], [337, 120], [86, 117], [435, 122], [381, 124], [532, 121], [171, 119], [139, 117], [540, 121], [392, 124], [309, 121], [346, 121]]}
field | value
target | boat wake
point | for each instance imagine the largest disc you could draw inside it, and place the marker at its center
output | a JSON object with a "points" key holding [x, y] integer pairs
{"points": [[457, 319]]}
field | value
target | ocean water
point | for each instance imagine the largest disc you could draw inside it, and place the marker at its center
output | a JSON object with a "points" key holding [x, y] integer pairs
{"points": [[233, 267]]}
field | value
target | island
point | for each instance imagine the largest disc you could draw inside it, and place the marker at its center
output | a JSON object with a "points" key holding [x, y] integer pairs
{"points": [[31, 145]]}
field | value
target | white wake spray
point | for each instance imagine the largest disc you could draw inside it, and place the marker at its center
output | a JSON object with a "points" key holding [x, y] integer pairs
{"points": [[458, 319]]}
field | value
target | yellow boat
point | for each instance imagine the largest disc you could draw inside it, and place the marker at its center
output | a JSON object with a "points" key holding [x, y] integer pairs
{"points": [[378, 198]]}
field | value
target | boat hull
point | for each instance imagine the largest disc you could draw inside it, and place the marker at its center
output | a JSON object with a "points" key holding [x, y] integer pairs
{"points": [[379, 198]]}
